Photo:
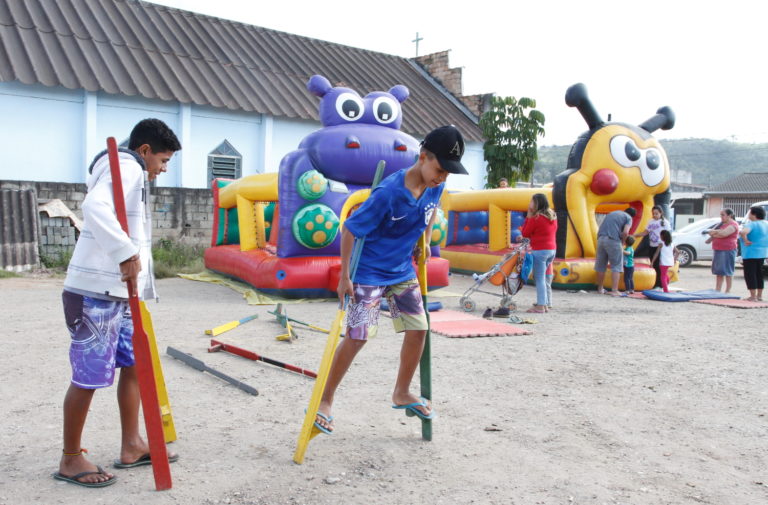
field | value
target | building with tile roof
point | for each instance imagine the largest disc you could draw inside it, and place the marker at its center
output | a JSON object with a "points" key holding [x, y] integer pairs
{"points": [[73, 72], [738, 193]]}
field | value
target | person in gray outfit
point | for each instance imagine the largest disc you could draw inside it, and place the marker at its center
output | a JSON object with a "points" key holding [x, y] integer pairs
{"points": [[610, 237]]}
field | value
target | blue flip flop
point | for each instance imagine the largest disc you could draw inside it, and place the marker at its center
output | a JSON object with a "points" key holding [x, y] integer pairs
{"points": [[411, 407], [327, 419], [146, 459]]}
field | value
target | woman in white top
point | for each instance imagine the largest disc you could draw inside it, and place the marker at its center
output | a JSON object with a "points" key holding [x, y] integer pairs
{"points": [[653, 231]]}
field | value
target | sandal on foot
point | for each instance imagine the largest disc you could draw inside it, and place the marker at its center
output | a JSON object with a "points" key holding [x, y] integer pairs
{"points": [[74, 479], [327, 419], [146, 459], [412, 408]]}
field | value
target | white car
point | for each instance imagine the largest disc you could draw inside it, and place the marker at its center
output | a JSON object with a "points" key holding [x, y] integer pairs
{"points": [[690, 241]]}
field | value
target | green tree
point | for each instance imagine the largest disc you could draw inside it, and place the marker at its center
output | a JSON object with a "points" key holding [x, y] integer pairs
{"points": [[511, 128]]}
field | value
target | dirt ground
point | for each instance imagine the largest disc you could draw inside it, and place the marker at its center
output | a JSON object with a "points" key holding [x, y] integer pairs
{"points": [[609, 401]]}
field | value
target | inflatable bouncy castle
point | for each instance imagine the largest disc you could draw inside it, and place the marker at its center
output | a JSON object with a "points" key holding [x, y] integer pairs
{"points": [[611, 166], [280, 232]]}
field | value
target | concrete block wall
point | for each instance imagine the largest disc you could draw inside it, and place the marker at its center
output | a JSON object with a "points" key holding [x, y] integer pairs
{"points": [[57, 237], [176, 212]]}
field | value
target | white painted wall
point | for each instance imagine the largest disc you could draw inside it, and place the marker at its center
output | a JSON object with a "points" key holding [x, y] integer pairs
{"points": [[475, 165]]}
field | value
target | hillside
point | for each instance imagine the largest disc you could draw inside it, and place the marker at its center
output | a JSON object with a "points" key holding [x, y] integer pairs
{"points": [[709, 161]]}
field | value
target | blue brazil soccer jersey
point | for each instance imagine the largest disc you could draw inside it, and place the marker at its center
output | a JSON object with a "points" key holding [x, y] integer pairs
{"points": [[391, 220]]}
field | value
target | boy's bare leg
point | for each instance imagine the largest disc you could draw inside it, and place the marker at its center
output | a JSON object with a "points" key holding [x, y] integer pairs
{"points": [[133, 446], [76, 404], [345, 354], [410, 355], [129, 400], [718, 283]]}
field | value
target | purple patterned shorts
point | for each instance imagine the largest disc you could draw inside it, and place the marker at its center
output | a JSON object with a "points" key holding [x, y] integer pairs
{"points": [[404, 304], [102, 339]]}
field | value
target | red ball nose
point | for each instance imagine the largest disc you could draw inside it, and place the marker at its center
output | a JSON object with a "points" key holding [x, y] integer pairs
{"points": [[604, 182]]}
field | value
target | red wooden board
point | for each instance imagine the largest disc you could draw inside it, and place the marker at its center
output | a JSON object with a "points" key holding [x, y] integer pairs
{"points": [[452, 323]]}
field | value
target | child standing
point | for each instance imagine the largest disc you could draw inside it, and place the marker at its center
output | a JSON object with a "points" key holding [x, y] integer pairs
{"points": [[629, 265], [392, 219], [95, 299], [667, 254], [653, 231]]}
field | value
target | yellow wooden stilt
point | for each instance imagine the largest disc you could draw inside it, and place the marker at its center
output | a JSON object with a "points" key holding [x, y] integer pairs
{"points": [[308, 429], [169, 429]]}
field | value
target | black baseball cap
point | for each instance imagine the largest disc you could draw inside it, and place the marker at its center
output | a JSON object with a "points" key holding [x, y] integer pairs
{"points": [[447, 144]]}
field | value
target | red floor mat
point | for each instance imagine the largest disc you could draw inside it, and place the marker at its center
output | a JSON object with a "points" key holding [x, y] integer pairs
{"points": [[736, 304], [452, 323]]}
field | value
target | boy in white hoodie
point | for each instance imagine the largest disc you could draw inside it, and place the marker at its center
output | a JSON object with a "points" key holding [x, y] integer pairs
{"points": [[95, 299]]}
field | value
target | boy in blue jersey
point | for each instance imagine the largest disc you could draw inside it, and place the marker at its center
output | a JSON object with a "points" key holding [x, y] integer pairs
{"points": [[392, 219]]}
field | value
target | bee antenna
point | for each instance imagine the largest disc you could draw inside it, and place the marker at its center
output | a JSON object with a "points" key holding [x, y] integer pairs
{"points": [[576, 96], [664, 119]]}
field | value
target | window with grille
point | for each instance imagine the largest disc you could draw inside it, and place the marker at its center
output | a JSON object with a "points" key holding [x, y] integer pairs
{"points": [[224, 162], [740, 206]]}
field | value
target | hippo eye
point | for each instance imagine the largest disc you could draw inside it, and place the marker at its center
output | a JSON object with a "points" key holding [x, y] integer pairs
{"points": [[385, 109], [349, 106], [625, 151]]}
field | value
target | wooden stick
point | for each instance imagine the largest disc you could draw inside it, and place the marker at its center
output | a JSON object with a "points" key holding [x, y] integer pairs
{"points": [[221, 346]]}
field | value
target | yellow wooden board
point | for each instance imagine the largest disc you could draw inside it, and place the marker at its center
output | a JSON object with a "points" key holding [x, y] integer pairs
{"points": [[169, 429], [308, 429]]}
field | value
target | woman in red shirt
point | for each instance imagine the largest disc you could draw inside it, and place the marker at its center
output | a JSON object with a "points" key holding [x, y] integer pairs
{"points": [[540, 228], [724, 243]]}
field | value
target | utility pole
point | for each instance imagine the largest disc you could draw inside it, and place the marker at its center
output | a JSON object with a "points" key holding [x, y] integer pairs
{"points": [[416, 41]]}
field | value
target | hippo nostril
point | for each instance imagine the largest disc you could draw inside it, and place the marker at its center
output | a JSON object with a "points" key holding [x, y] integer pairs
{"points": [[353, 142], [399, 146]]}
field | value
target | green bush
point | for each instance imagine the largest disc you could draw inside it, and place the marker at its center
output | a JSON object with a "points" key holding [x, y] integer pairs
{"points": [[172, 257], [57, 262]]}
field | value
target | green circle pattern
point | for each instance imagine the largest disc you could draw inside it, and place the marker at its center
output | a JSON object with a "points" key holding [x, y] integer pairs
{"points": [[441, 227], [315, 225], [312, 185]]}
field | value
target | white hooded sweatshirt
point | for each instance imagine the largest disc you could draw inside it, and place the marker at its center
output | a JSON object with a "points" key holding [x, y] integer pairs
{"points": [[103, 245]]}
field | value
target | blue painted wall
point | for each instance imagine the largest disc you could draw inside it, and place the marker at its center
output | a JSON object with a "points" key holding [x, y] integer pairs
{"points": [[52, 134], [41, 137], [210, 127]]}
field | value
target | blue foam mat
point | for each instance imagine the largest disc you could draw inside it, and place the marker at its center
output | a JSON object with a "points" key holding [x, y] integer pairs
{"points": [[687, 296]]}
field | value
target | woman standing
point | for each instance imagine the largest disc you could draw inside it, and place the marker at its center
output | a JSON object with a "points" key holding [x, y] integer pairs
{"points": [[540, 227], [723, 238], [653, 230], [754, 249]]}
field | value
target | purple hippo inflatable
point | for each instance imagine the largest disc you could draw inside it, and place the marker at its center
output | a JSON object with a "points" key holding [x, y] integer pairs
{"points": [[337, 160]]}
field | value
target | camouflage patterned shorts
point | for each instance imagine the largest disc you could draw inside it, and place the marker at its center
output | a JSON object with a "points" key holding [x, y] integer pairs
{"points": [[404, 304]]}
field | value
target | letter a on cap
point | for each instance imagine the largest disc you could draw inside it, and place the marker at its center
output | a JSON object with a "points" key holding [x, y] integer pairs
{"points": [[456, 149]]}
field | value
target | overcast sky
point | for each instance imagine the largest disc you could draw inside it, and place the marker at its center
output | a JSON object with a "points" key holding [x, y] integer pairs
{"points": [[708, 63]]}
